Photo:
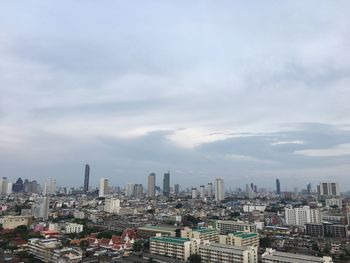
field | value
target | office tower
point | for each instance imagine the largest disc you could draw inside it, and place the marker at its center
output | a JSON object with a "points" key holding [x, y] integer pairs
{"points": [[138, 190], [308, 188], [210, 190], [219, 189], [3, 185], [103, 187], [194, 193], [86, 178], [202, 191], [112, 205], [151, 189], [166, 184], [278, 187], [9, 188], [328, 189], [177, 188]]}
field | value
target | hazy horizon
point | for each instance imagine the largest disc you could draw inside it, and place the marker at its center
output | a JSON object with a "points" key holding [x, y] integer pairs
{"points": [[245, 91]]}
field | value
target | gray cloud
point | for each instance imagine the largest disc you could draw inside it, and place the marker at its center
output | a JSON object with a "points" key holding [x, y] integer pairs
{"points": [[200, 88]]}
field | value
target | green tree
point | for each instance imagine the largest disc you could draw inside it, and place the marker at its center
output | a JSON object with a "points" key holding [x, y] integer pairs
{"points": [[137, 246], [195, 258]]}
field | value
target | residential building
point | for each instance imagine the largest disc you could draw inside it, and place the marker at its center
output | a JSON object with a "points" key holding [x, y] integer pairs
{"points": [[328, 189], [73, 228], [214, 252], [204, 234], [210, 193], [194, 193], [241, 239], [219, 190], [11, 222], [104, 189], [226, 226], [151, 188], [272, 256], [300, 216], [112, 205]]}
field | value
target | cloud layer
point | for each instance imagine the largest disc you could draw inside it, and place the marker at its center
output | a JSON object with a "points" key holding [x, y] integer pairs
{"points": [[244, 91]]}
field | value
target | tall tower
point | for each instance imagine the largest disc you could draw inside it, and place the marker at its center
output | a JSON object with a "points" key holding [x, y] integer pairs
{"points": [[103, 187], [219, 189], [166, 184], [210, 190], [86, 178], [151, 185], [278, 187]]}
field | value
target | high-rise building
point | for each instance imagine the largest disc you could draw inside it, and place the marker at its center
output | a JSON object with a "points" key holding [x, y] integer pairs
{"points": [[104, 189], [328, 189], [138, 190], [3, 185], [151, 189], [308, 188], [40, 208], [86, 178], [166, 184], [129, 189], [302, 215], [210, 190], [278, 187], [176, 188], [52, 189], [202, 191], [112, 205], [219, 189], [194, 193]]}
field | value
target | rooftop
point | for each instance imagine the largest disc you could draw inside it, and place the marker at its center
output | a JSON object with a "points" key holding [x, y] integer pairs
{"points": [[175, 240], [244, 234]]}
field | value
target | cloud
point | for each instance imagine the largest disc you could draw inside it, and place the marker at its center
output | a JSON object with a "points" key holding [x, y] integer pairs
{"points": [[339, 150]]}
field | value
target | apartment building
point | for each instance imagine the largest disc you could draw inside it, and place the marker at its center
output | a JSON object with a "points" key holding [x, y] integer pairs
{"points": [[204, 234], [241, 239], [174, 247], [214, 252], [272, 256], [11, 222], [43, 249], [300, 216], [226, 226]]}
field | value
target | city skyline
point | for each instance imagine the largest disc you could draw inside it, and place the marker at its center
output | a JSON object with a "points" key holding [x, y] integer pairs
{"points": [[192, 87]]}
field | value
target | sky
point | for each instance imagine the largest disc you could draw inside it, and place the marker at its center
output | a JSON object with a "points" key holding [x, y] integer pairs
{"points": [[248, 91]]}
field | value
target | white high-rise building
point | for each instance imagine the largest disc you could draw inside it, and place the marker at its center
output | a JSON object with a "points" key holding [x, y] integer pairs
{"points": [[112, 205], [40, 208], [9, 188], [219, 189], [104, 189], [302, 215], [53, 186], [328, 189], [129, 189], [202, 191], [3, 185], [151, 185], [194, 193]]}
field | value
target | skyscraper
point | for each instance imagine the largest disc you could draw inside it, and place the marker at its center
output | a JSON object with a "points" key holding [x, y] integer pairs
{"points": [[151, 185], [308, 188], [328, 189], [103, 187], [176, 188], [86, 178], [210, 190], [129, 189], [278, 187], [219, 189], [202, 191], [166, 184]]}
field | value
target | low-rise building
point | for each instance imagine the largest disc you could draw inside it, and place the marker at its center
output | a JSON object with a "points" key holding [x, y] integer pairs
{"points": [[174, 247], [272, 256], [214, 252], [43, 249], [242, 239], [11, 222], [148, 231], [204, 234], [226, 226], [73, 228]]}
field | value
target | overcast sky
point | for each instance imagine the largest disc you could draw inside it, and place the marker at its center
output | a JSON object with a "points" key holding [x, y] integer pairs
{"points": [[248, 91]]}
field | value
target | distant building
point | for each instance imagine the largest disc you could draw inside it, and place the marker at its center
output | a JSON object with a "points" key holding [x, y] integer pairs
{"points": [[308, 188], [70, 228], [138, 190], [278, 187], [204, 234], [272, 256], [3, 185], [104, 189], [151, 188], [40, 208], [194, 193], [328, 189], [219, 190], [11, 222], [210, 192], [86, 178], [129, 190], [202, 192], [176, 188], [166, 184]]}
